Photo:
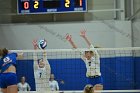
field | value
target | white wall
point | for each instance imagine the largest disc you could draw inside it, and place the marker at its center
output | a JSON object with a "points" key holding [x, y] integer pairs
{"points": [[136, 33], [136, 25], [101, 33], [136, 8], [101, 5], [123, 34]]}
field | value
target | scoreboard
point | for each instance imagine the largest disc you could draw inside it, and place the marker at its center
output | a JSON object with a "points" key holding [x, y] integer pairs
{"points": [[50, 6]]}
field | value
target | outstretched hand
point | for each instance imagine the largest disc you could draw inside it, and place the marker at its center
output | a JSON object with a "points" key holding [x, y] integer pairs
{"points": [[83, 33], [68, 37], [34, 42]]}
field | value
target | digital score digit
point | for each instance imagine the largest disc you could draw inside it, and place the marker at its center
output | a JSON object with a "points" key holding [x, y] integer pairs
{"points": [[36, 4], [26, 5], [67, 3], [51, 6]]}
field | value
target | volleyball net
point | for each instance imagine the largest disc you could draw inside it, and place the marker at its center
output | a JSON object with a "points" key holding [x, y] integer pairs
{"points": [[119, 69]]}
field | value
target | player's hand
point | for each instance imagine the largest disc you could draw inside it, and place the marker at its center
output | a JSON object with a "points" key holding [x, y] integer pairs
{"points": [[20, 55], [34, 42], [68, 37], [83, 33]]}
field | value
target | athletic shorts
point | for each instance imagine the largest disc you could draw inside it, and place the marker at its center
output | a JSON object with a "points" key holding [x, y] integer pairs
{"points": [[95, 80], [8, 79]]}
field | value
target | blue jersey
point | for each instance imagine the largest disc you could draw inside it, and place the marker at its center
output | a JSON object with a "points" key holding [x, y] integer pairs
{"points": [[8, 60]]}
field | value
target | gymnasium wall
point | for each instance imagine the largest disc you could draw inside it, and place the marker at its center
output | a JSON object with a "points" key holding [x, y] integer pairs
{"points": [[136, 8], [136, 33], [101, 33]]}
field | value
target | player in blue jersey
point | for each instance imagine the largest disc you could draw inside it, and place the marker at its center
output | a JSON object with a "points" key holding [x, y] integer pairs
{"points": [[8, 77]]}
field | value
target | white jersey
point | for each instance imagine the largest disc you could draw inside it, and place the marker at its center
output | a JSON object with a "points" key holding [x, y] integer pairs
{"points": [[41, 72], [23, 87], [54, 85], [42, 75], [93, 65]]}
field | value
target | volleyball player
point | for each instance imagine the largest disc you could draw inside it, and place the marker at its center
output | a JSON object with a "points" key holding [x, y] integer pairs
{"points": [[42, 70], [23, 85], [92, 61], [8, 77], [53, 83]]}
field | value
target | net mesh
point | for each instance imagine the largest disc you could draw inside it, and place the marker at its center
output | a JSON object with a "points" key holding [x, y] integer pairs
{"points": [[119, 68]]}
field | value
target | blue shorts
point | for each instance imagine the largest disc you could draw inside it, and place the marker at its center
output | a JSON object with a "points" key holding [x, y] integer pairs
{"points": [[95, 80], [7, 79]]}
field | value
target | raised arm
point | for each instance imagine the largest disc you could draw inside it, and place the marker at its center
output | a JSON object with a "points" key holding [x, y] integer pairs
{"points": [[69, 39], [20, 55], [83, 35], [45, 56], [34, 42]]}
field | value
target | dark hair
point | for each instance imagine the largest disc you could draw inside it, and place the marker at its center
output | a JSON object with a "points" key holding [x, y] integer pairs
{"points": [[22, 78], [51, 75], [3, 52], [88, 89], [91, 52]]}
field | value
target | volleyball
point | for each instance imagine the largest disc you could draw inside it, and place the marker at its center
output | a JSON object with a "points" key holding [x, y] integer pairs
{"points": [[42, 44]]}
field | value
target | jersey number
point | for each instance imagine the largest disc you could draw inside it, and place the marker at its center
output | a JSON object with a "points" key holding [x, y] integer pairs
{"points": [[7, 59], [89, 63]]}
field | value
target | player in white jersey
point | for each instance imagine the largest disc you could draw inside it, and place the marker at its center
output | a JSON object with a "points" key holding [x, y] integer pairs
{"points": [[53, 83], [23, 85], [42, 70], [92, 61]]}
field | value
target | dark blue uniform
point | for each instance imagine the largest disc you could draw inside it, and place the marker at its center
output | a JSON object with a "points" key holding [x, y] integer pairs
{"points": [[9, 78]]}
